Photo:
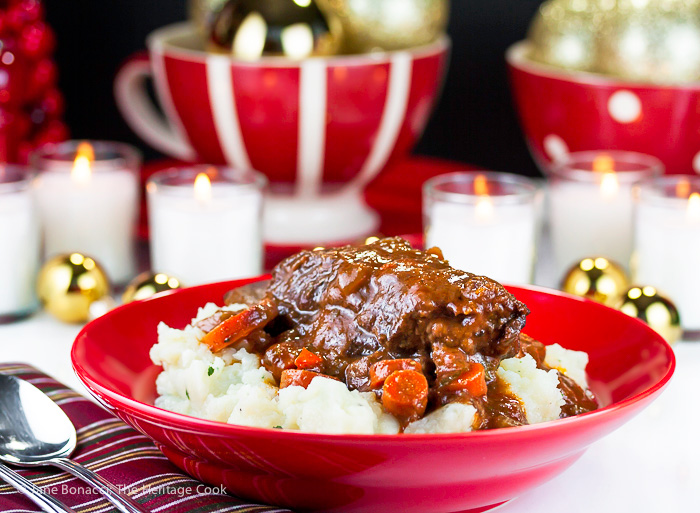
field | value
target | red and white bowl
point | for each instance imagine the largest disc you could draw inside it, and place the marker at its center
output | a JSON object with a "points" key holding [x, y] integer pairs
{"points": [[319, 128], [565, 111], [630, 364], [341, 117]]}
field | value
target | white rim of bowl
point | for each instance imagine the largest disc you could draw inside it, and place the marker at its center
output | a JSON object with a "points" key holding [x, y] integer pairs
{"points": [[159, 41], [517, 57]]}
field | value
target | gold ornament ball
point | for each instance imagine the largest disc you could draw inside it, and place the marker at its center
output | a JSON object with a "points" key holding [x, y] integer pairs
{"points": [[68, 284], [378, 25], [596, 278], [650, 41], [149, 284], [657, 311], [202, 14], [564, 34], [654, 41], [250, 29]]}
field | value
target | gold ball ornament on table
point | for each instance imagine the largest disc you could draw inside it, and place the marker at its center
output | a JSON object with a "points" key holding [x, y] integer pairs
{"points": [[250, 29], [149, 284], [68, 284], [381, 25], [657, 311], [596, 278]]}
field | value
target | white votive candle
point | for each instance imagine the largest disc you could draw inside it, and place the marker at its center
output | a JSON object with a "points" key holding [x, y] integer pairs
{"points": [[590, 205], [206, 223], [87, 195], [19, 244], [484, 223], [667, 242]]}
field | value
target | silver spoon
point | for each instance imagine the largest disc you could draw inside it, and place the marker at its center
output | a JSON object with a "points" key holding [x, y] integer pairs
{"points": [[35, 493], [35, 431]]}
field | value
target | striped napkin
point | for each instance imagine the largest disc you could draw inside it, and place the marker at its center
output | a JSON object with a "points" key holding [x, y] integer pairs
{"points": [[120, 454]]}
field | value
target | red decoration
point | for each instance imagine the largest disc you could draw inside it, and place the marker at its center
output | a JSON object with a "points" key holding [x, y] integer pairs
{"points": [[31, 106]]}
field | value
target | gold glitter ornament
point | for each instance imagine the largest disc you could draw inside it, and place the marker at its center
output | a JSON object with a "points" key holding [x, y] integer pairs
{"points": [[377, 25], [68, 284], [657, 311], [149, 284], [202, 14], [564, 34], [250, 29], [654, 41], [596, 278]]}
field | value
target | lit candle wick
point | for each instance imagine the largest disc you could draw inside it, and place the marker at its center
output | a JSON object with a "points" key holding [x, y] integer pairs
{"points": [[81, 172], [484, 204], [609, 185], [202, 188], [693, 212]]}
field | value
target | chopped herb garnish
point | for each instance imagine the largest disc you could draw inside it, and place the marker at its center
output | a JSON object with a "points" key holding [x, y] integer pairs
{"points": [[187, 394], [210, 371], [277, 427]]}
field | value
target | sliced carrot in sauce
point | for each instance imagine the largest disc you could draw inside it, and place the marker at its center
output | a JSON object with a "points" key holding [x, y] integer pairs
{"points": [[473, 380], [405, 394], [307, 359], [379, 371], [300, 377], [239, 326]]}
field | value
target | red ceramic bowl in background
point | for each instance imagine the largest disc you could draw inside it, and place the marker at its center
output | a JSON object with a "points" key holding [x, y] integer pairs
{"points": [[565, 111], [629, 366], [280, 116], [320, 127]]}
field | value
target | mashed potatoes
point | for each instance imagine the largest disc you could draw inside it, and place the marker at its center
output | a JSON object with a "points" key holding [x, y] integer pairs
{"points": [[232, 386]]}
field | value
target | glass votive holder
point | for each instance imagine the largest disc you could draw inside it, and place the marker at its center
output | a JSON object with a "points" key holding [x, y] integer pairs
{"points": [[484, 222], [206, 223], [667, 242], [87, 194], [19, 244], [591, 204]]}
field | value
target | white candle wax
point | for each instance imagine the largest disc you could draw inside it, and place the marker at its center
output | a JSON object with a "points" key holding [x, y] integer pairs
{"points": [[498, 242], [667, 254], [203, 240], [591, 205], [95, 216], [19, 251], [586, 220]]}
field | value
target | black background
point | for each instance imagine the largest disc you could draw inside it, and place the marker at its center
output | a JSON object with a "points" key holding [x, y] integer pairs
{"points": [[474, 122]]}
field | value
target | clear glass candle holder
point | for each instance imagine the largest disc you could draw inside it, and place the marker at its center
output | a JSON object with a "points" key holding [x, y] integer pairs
{"points": [[591, 204], [667, 242], [19, 244], [484, 223], [206, 223], [87, 193]]}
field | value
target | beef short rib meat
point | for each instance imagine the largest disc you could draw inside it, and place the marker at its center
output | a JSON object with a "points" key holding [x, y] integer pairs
{"points": [[389, 299]]}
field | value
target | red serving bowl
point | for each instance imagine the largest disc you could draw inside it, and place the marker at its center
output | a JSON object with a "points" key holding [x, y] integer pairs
{"points": [[564, 111], [629, 366]]}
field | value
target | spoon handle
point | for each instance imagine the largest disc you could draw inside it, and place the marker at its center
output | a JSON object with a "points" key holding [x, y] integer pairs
{"points": [[120, 500], [42, 499]]}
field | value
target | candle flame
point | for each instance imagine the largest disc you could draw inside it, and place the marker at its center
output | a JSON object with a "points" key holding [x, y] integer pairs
{"points": [[481, 186], [484, 208], [603, 164], [202, 188], [484, 204], [683, 189], [693, 212], [609, 185], [82, 166]]}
